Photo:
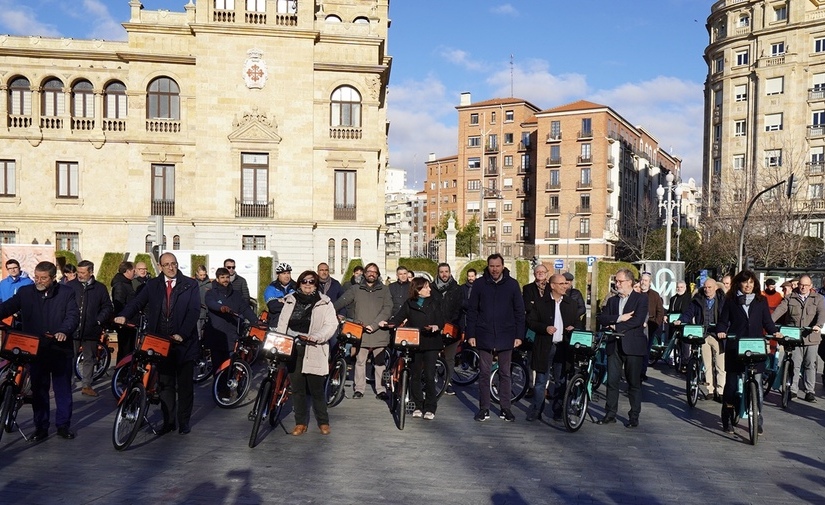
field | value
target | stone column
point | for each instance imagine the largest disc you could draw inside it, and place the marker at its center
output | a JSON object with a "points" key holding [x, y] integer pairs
{"points": [[451, 234]]}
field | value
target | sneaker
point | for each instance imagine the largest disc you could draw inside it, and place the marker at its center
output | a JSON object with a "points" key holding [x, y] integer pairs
{"points": [[482, 415], [416, 413], [449, 391], [760, 430], [793, 395], [429, 416], [809, 397], [507, 415], [531, 414], [358, 395], [383, 396]]}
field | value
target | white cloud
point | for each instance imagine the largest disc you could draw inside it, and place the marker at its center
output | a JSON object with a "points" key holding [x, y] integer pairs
{"points": [[461, 58], [506, 9], [105, 26], [16, 20], [534, 82]]}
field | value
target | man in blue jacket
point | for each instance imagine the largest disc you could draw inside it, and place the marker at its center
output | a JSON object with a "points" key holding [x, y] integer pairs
{"points": [[13, 281], [171, 303], [47, 307], [495, 324]]}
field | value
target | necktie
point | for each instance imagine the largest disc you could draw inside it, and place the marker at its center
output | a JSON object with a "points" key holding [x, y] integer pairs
{"points": [[168, 291]]}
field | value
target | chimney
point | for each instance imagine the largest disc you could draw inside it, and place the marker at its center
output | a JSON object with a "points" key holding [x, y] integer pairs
{"points": [[466, 99]]}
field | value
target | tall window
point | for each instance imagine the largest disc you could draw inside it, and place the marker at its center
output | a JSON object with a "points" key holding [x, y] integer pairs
{"points": [[742, 57], [554, 202], [738, 161], [818, 118], [176, 243], [584, 202], [331, 255], [8, 237], [68, 178], [817, 155], [356, 248], [114, 101], [774, 86], [584, 226], [163, 190], [53, 100], [740, 92], [554, 249], [492, 118], [585, 176], [743, 21], [778, 49], [508, 138], [253, 242], [7, 180], [344, 195], [780, 13], [819, 45], [289, 7], [254, 178], [587, 127], [20, 97], [345, 107], [815, 191], [83, 99], [553, 226], [719, 64], [508, 160], [555, 153], [555, 178], [225, 4], [67, 241], [586, 151], [164, 99], [555, 129], [256, 5], [819, 82], [739, 128], [344, 254]]}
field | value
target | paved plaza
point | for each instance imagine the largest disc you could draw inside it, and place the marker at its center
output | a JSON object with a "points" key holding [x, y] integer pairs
{"points": [[677, 455]]}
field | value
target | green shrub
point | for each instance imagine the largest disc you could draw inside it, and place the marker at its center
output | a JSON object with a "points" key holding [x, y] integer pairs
{"points": [[108, 267], [63, 257], [419, 265], [146, 258], [602, 271], [196, 261], [348, 273], [478, 265], [580, 273], [522, 272], [264, 278]]}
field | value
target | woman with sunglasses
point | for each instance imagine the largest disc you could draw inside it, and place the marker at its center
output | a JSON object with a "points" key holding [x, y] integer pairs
{"points": [[309, 313], [422, 311]]}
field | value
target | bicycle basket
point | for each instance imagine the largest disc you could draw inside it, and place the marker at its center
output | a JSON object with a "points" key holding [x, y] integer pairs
{"points": [[581, 341], [693, 334], [752, 350], [352, 331], [407, 337], [279, 344], [791, 333], [159, 346], [17, 344]]}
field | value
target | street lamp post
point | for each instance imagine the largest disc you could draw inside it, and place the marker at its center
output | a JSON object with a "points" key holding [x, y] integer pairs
{"points": [[667, 207]]}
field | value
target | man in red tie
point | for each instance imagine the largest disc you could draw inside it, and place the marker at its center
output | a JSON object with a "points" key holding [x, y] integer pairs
{"points": [[171, 303]]}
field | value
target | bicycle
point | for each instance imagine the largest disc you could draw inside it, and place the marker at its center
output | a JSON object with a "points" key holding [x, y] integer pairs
{"points": [[752, 351], [578, 392], [102, 355], [203, 363], [19, 349], [404, 340], [233, 379], [141, 387], [275, 390], [791, 339], [351, 332], [520, 376], [694, 336], [466, 368], [665, 351]]}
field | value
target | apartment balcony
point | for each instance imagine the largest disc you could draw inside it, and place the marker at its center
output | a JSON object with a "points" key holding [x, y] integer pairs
{"points": [[255, 18], [491, 147], [524, 169], [582, 234], [254, 209], [114, 125], [492, 171], [552, 186], [523, 236], [553, 162], [584, 160], [552, 210], [18, 121], [815, 168], [524, 146], [610, 212], [83, 123], [585, 134], [772, 61], [223, 16], [551, 137], [551, 234], [491, 214], [584, 209], [163, 208], [584, 185], [815, 94], [816, 131], [611, 162], [523, 214], [345, 133], [163, 126], [522, 192], [51, 123], [344, 213]]}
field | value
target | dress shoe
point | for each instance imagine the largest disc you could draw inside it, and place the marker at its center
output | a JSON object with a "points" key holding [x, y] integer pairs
{"points": [[65, 432], [606, 420], [166, 428], [809, 397], [300, 429], [357, 395], [184, 429], [793, 395], [532, 414], [633, 423], [39, 436], [324, 429], [88, 392], [383, 396]]}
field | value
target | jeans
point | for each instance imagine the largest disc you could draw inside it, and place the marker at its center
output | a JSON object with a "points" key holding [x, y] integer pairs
{"points": [[485, 365]]}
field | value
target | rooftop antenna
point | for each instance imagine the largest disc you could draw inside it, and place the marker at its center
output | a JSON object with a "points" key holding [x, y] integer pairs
{"points": [[511, 76]]}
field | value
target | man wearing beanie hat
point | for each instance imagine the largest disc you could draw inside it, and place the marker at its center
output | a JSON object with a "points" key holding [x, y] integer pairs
{"points": [[577, 297]]}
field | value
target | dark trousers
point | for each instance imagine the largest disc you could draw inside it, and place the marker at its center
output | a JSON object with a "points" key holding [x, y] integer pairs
{"points": [[125, 342], [555, 370], [424, 362], [449, 358], [55, 366], [653, 334], [632, 366], [307, 383], [176, 391], [485, 365]]}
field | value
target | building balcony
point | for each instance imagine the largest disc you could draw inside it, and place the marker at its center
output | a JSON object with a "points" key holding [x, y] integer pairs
{"points": [[552, 210], [524, 169], [815, 94], [18, 121], [223, 16], [163, 208], [491, 214], [584, 185], [51, 123], [815, 167], [585, 134], [551, 234], [522, 192], [610, 211], [582, 234], [163, 126], [553, 162], [254, 209], [83, 123], [816, 131], [114, 125], [524, 146], [344, 213], [611, 187], [255, 18], [584, 209], [345, 133], [523, 214], [611, 162], [772, 61], [491, 171], [286, 19], [491, 147], [553, 137], [523, 236], [584, 160], [552, 186]]}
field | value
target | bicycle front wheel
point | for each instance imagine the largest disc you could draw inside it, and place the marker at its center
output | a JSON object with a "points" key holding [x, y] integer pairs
{"points": [[787, 383], [400, 402], [203, 366], [232, 384], [519, 382], [8, 399], [261, 408], [119, 378], [466, 367], [336, 380], [282, 385], [692, 382], [575, 402], [753, 412], [440, 377], [129, 417]]}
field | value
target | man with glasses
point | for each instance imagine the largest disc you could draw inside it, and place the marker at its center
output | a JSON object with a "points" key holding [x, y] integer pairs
{"points": [[805, 308], [370, 303], [141, 276], [239, 284], [172, 305], [327, 285], [704, 309], [15, 279], [626, 313], [47, 307]]}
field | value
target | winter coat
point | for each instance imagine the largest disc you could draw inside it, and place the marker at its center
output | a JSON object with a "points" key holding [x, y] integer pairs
{"points": [[222, 328], [495, 312], [95, 308], [369, 305], [679, 303], [182, 318], [695, 311], [400, 292], [581, 308], [413, 316], [541, 313], [634, 338], [10, 285], [798, 312], [450, 294], [51, 311], [323, 325], [274, 296], [733, 320]]}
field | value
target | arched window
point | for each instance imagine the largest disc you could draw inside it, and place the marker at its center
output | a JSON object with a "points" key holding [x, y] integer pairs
{"points": [[331, 255], [53, 101], [148, 243], [344, 254], [345, 107], [332, 18], [83, 99], [176, 242], [356, 248], [164, 99], [361, 20], [114, 101], [20, 97]]}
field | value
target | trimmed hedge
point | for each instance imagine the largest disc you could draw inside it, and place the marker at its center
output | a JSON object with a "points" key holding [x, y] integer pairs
{"points": [[602, 271], [146, 258], [107, 269], [478, 265], [264, 278], [348, 273], [522, 272], [196, 261], [419, 265], [580, 273], [63, 257]]}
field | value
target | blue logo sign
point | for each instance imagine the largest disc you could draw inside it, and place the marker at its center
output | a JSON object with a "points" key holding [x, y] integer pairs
{"points": [[591, 260], [559, 264]]}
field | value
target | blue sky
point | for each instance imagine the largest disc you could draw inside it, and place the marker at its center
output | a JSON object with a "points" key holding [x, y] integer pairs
{"points": [[643, 58]]}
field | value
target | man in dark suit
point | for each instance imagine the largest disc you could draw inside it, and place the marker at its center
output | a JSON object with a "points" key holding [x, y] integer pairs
{"points": [[626, 313], [171, 302]]}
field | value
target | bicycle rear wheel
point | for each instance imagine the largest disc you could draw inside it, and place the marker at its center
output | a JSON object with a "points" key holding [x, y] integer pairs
{"points": [[787, 383], [103, 359], [261, 407], [753, 412], [232, 384], [440, 377], [466, 367], [129, 417], [692, 382], [203, 366], [8, 399], [400, 400], [519, 382], [119, 379], [336, 380], [575, 402], [282, 386]]}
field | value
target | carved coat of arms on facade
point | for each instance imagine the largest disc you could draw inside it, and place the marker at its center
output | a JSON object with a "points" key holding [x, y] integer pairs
{"points": [[254, 69]]}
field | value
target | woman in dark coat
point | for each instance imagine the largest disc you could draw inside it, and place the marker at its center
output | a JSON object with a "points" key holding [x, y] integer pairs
{"points": [[422, 311], [744, 314]]}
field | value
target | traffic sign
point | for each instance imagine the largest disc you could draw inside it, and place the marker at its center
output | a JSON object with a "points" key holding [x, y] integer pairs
{"points": [[591, 260], [558, 264]]}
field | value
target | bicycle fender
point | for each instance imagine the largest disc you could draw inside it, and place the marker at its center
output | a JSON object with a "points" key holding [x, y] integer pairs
{"points": [[124, 361], [223, 366]]}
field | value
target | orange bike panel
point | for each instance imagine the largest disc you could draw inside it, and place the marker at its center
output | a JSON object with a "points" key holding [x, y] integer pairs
{"points": [[409, 337], [157, 344], [450, 330], [223, 366], [353, 330], [8, 321], [258, 333], [28, 344]]}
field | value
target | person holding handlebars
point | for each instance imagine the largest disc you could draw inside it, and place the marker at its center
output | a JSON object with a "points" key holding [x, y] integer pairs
{"points": [[224, 304]]}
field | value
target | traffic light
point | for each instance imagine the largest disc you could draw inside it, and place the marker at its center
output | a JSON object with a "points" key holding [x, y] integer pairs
{"points": [[749, 263], [790, 189], [152, 230]]}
